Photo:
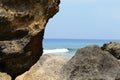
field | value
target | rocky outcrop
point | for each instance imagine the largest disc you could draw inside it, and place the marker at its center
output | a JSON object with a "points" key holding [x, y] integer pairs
{"points": [[91, 63], [113, 48], [22, 26], [47, 68]]}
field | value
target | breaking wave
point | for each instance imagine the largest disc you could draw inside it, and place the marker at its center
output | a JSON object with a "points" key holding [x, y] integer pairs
{"points": [[62, 50]]}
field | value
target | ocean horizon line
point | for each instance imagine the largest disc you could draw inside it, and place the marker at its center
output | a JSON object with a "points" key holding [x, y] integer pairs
{"points": [[77, 39]]}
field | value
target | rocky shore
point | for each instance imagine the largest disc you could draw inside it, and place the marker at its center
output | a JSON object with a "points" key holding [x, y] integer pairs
{"points": [[22, 25], [89, 63]]}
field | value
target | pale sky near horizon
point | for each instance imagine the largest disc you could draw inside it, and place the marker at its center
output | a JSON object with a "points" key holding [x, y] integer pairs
{"points": [[86, 19]]}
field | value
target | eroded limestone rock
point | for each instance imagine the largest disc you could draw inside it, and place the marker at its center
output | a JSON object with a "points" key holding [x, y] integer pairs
{"points": [[22, 26], [113, 48]]}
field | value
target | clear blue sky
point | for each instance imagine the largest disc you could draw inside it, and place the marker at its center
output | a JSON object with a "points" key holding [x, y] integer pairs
{"points": [[86, 19]]}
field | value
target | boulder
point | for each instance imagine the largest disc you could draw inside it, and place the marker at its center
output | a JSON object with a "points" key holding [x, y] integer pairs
{"points": [[47, 68], [22, 24], [113, 48], [91, 63]]}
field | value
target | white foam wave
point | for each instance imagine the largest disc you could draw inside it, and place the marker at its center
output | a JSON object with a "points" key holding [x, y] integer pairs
{"points": [[55, 50]]}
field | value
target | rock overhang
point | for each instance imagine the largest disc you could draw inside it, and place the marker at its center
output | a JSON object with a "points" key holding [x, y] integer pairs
{"points": [[22, 25]]}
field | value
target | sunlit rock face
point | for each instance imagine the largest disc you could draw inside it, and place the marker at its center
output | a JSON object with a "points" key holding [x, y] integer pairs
{"points": [[113, 48], [22, 24]]}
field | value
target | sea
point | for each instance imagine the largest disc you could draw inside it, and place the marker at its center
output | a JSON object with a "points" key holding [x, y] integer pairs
{"points": [[68, 47]]}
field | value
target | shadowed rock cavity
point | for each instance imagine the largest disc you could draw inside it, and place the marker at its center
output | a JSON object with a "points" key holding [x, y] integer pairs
{"points": [[22, 26]]}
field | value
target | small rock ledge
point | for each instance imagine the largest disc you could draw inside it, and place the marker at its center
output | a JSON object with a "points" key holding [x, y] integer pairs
{"points": [[113, 48]]}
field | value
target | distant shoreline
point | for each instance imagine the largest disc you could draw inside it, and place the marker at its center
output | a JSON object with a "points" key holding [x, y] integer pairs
{"points": [[79, 39]]}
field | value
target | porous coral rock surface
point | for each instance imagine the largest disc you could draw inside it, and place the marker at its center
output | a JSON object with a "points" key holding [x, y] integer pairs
{"points": [[22, 24]]}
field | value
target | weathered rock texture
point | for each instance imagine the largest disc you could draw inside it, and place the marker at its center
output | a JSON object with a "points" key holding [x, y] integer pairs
{"points": [[47, 68], [22, 24], [91, 63], [4, 76], [113, 48]]}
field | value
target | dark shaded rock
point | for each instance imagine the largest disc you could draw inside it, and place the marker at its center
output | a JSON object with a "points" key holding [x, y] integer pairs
{"points": [[113, 48], [91, 63], [22, 26]]}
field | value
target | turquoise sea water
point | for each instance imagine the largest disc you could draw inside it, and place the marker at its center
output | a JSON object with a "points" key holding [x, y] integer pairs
{"points": [[68, 47]]}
